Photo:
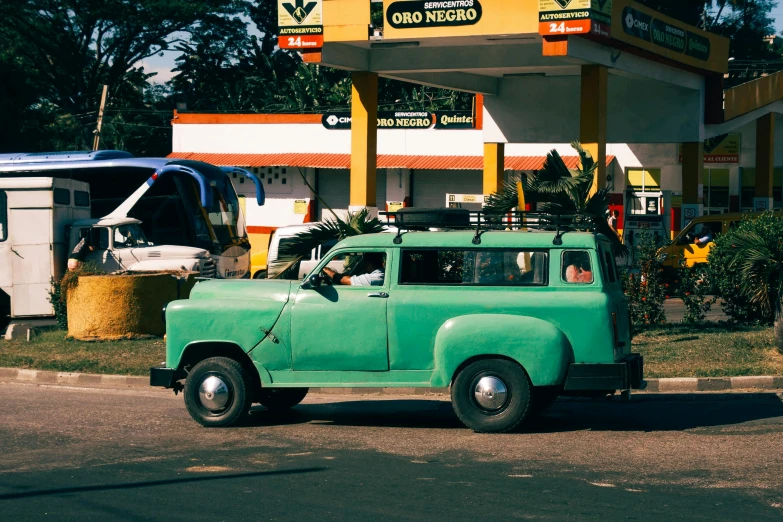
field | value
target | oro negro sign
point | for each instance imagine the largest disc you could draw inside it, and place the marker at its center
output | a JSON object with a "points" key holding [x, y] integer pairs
{"points": [[444, 13]]}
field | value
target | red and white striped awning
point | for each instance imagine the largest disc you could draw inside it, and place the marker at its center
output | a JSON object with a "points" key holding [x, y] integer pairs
{"points": [[385, 161]]}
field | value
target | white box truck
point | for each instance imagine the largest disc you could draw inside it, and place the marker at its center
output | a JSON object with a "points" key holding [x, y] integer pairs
{"points": [[42, 219]]}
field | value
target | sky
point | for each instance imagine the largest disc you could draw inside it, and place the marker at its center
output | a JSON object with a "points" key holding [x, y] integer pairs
{"points": [[163, 64]]}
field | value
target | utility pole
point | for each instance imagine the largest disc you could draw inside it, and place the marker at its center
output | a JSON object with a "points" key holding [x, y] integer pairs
{"points": [[97, 132]]}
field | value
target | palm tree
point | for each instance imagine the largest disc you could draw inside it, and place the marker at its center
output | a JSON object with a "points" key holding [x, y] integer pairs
{"points": [[759, 262], [561, 191], [330, 229]]}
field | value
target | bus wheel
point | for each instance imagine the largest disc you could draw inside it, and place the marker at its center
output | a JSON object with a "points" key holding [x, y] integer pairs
{"points": [[492, 396], [261, 274], [217, 392], [282, 398]]}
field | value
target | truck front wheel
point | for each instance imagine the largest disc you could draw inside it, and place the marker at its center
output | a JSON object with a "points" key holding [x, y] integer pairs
{"points": [[492, 396], [217, 392]]}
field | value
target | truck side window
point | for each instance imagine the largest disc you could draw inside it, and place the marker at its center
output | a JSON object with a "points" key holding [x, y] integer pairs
{"points": [[3, 216], [577, 267], [100, 238], [81, 198], [474, 267], [62, 196]]}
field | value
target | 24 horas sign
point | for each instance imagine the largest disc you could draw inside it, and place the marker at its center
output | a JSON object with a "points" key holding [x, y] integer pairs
{"points": [[564, 17], [442, 13], [300, 24]]}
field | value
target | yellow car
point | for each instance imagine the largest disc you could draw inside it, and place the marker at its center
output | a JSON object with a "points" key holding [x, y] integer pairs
{"points": [[694, 242]]}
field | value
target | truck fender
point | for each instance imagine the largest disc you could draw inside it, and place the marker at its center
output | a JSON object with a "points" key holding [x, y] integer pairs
{"points": [[540, 347]]}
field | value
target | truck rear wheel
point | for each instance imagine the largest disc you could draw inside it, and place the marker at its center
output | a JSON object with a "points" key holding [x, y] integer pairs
{"points": [[282, 398], [492, 396], [217, 392]]}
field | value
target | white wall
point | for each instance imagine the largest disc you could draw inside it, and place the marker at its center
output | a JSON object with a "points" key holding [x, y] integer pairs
{"points": [[314, 138], [429, 187]]}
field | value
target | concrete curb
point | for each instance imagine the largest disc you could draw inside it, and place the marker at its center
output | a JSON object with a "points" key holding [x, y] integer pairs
{"points": [[672, 385]]}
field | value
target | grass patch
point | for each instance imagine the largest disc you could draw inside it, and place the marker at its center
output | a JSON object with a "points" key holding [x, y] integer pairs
{"points": [[50, 350], [713, 350]]}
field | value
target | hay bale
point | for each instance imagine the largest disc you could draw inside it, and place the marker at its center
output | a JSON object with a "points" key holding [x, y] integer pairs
{"points": [[122, 306]]}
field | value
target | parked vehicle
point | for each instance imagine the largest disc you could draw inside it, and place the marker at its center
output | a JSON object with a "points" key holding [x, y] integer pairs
{"points": [[120, 245], [686, 247], [275, 266], [179, 202], [42, 220], [508, 319]]}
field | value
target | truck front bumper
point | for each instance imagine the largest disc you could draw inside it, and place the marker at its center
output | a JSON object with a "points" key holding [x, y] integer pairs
{"points": [[162, 376], [623, 375]]}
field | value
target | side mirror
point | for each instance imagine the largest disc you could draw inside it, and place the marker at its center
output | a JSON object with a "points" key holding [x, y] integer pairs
{"points": [[314, 281]]}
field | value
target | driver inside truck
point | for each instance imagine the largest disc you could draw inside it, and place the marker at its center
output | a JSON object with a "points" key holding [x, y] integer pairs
{"points": [[371, 272], [80, 252]]}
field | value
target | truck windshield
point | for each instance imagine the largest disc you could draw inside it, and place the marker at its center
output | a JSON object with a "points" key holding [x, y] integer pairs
{"points": [[129, 236]]}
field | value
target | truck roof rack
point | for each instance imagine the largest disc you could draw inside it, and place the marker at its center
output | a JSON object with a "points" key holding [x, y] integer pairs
{"points": [[462, 219]]}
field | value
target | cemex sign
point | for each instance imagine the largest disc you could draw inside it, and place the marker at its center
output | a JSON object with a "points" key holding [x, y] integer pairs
{"points": [[300, 24], [650, 30], [405, 120]]}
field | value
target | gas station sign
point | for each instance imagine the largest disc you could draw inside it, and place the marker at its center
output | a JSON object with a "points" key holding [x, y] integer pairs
{"points": [[300, 24], [724, 148], [652, 31], [564, 17]]}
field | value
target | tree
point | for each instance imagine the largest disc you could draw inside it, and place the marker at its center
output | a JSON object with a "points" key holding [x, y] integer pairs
{"points": [[77, 46], [559, 191], [747, 263]]}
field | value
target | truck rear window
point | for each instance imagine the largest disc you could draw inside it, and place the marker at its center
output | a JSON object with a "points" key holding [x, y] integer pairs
{"points": [[608, 264], [486, 267]]}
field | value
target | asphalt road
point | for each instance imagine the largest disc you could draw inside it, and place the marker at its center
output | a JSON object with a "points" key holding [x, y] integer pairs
{"points": [[81, 454], [675, 311]]}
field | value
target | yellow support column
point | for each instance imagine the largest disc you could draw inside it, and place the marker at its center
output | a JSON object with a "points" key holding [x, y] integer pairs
{"points": [[592, 118], [692, 165], [494, 168], [765, 162], [364, 139]]}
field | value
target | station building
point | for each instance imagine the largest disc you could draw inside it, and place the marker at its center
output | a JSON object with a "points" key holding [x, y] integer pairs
{"points": [[670, 143]]}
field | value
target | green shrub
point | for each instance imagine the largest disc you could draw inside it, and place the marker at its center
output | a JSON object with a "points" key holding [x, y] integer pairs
{"points": [[694, 287], [729, 280], [643, 284]]}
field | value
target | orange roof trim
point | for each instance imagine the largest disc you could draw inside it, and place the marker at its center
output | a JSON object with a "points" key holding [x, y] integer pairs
{"points": [[385, 161], [202, 118]]}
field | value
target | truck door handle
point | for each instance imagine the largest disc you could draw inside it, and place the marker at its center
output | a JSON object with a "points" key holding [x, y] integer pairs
{"points": [[382, 295]]}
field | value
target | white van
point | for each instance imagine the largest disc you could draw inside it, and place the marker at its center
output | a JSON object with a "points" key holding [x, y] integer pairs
{"points": [[284, 235], [42, 220]]}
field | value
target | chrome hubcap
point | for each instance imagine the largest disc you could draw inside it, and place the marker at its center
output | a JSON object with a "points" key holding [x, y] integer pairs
{"points": [[490, 393], [214, 394]]}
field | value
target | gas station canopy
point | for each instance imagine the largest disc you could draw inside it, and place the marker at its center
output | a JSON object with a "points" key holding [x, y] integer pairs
{"points": [[528, 57]]}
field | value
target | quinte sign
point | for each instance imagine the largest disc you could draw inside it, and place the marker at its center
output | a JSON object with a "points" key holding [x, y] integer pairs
{"points": [[300, 24]]}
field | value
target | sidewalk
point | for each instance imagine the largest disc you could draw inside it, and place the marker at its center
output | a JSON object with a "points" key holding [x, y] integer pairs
{"points": [[672, 385]]}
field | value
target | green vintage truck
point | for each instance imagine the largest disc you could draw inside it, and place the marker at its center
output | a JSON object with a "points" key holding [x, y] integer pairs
{"points": [[508, 319]]}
